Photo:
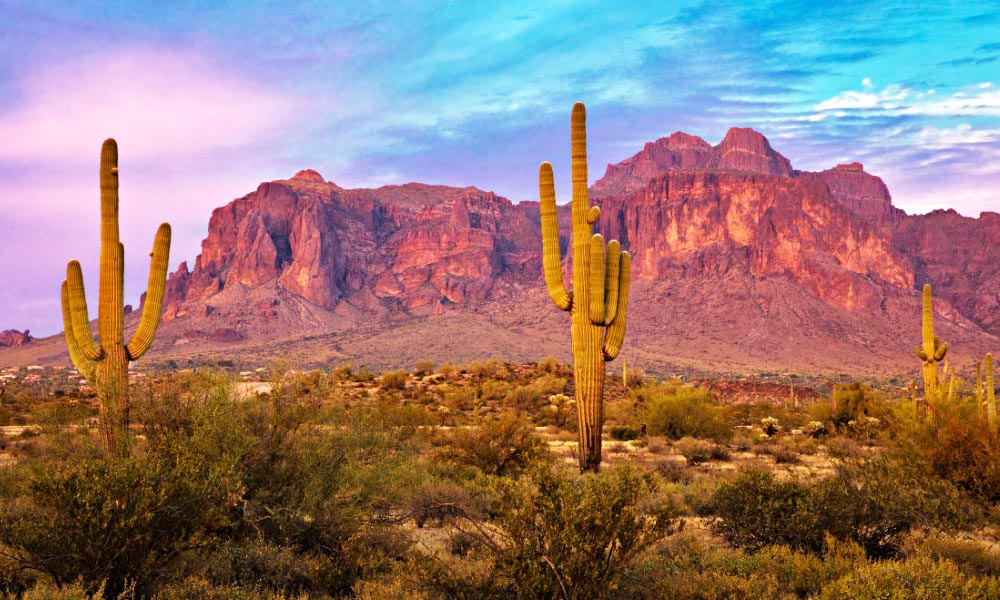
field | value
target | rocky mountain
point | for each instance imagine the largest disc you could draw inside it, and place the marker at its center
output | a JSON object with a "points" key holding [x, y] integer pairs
{"points": [[12, 337], [740, 263]]}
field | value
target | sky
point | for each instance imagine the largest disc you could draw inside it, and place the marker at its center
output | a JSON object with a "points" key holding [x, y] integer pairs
{"points": [[206, 102]]}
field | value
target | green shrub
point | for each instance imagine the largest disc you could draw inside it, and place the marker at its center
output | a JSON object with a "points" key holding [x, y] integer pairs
{"points": [[874, 503], [694, 450], [393, 380], [423, 367], [502, 446], [756, 510], [560, 537], [919, 578], [111, 521], [676, 412], [623, 433]]}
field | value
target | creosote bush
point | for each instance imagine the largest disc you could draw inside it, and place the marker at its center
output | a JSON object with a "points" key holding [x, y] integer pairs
{"points": [[679, 411]]}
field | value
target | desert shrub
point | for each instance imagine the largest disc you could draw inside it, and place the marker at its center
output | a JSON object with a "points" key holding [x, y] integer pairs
{"points": [[197, 588], [623, 433], [694, 450], [851, 402], [757, 510], [52, 416], [967, 454], [785, 457], [111, 521], [259, 565], [343, 373], [562, 537], [393, 380], [488, 369], [550, 384], [423, 367], [873, 503], [462, 398], [503, 446], [494, 390], [548, 364], [919, 578], [447, 370], [684, 411], [973, 557], [524, 397]]}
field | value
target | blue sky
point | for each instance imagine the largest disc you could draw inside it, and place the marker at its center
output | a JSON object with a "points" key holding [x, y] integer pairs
{"points": [[208, 102]]}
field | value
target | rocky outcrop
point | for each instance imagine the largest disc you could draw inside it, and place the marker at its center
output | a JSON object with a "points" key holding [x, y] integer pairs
{"points": [[13, 337], [958, 256], [742, 149], [418, 247], [862, 194]]}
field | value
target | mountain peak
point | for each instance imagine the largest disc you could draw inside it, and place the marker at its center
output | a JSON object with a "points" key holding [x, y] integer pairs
{"points": [[744, 149], [308, 175]]}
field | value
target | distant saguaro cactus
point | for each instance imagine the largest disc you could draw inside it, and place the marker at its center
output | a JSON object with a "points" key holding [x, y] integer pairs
{"points": [[991, 399], [931, 352], [598, 302], [105, 363]]}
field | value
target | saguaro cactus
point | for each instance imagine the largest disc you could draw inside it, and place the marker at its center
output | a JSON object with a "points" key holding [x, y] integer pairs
{"points": [[991, 399], [931, 352], [598, 302], [105, 363], [979, 389]]}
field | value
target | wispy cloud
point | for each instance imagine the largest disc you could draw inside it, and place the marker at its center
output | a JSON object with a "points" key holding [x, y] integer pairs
{"points": [[158, 104]]}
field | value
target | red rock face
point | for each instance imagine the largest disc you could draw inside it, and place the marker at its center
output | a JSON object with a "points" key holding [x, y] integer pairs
{"points": [[418, 247], [958, 256], [742, 149], [862, 194], [13, 337], [688, 212], [692, 223]]}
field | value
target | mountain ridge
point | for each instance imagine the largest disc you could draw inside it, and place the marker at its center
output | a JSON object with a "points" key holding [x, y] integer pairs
{"points": [[729, 239]]}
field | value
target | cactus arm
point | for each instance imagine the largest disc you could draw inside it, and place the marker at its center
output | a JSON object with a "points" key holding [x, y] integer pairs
{"points": [[551, 259], [79, 315], [83, 365], [593, 214], [142, 339], [919, 351], [597, 279], [611, 281], [615, 334], [941, 351]]}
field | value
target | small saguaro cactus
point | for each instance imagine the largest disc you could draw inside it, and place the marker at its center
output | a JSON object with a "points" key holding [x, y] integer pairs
{"points": [[931, 352], [598, 302], [979, 389], [105, 363], [991, 399]]}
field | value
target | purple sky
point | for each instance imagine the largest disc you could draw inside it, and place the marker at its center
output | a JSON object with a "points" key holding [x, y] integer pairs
{"points": [[207, 103]]}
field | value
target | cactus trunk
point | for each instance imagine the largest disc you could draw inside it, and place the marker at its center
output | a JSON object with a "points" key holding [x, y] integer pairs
{"points": [[991, 399], [598, 302], [105, 364], [931, 351]]}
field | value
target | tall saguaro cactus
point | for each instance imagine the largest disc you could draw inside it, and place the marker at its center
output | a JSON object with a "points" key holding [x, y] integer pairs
{"points": [[105, 362], [991, 399], [598, 302], [931, 352]]}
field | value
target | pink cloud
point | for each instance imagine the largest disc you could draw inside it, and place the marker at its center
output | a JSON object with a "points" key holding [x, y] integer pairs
{"points": [[157, 104]]}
